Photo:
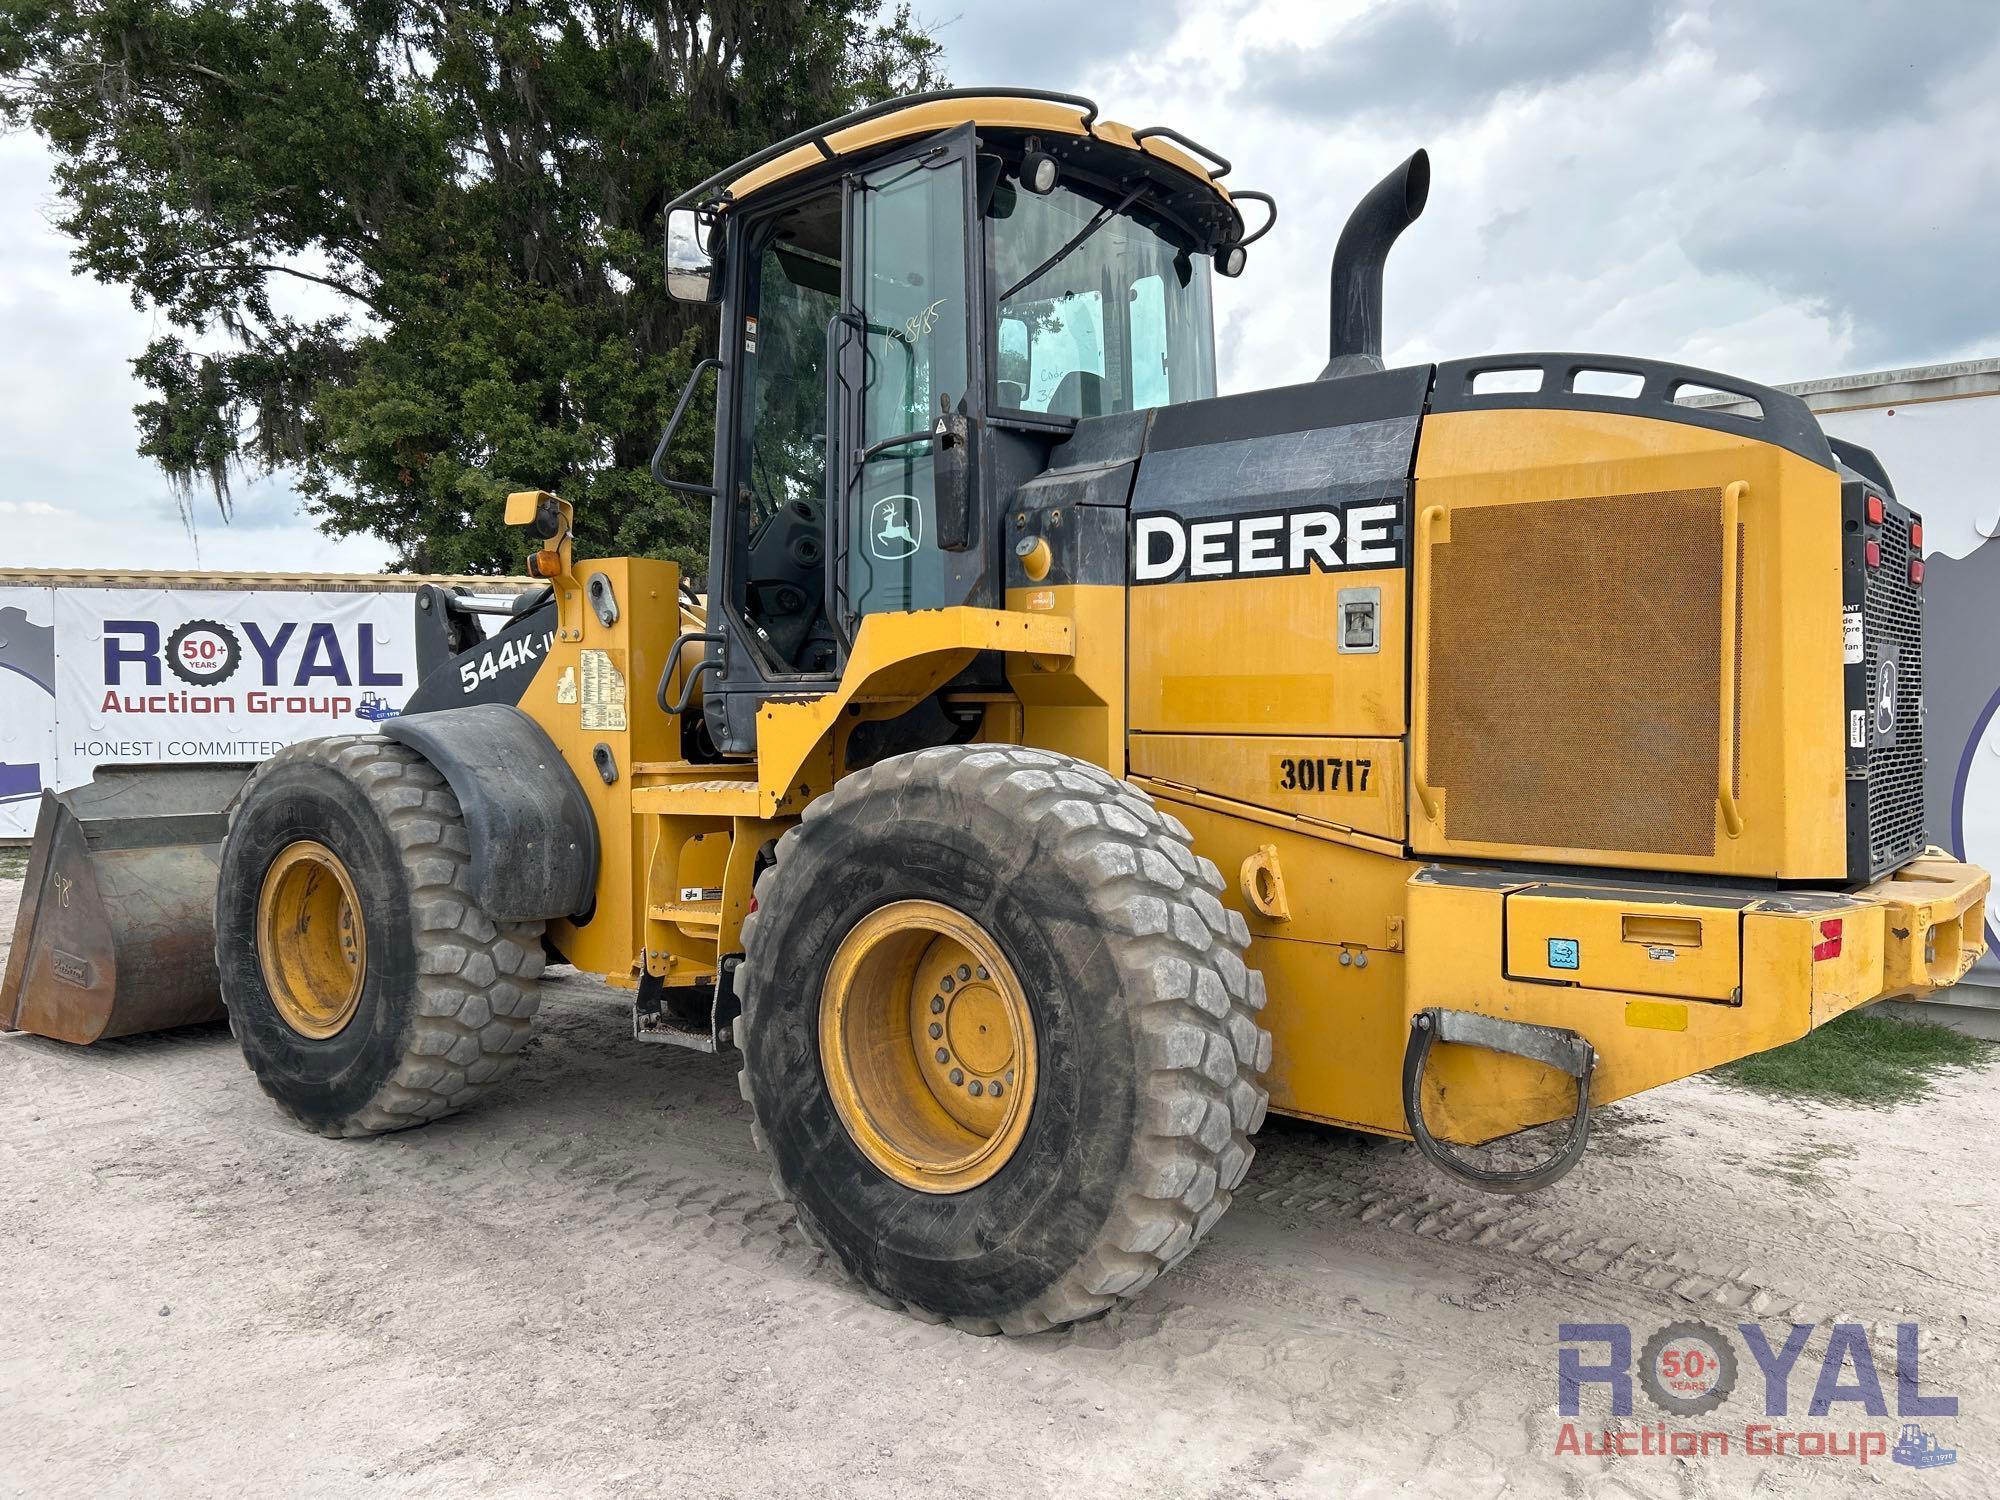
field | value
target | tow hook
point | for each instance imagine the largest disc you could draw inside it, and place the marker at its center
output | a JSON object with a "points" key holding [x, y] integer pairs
{"points": [[1552, 1046]]}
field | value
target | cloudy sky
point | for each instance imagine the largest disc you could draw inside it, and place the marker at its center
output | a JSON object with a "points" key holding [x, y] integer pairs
{"points": [[1782, 189]]}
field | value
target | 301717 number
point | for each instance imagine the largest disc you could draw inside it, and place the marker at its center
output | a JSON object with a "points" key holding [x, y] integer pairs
{"points": [[1322, 773]]}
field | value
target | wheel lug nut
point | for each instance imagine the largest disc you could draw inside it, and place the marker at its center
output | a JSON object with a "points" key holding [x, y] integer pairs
{"points": [[936, 1031], [996, 1088], [957, 1077], [942, 1055], [984, 975], [937, 1004], [977, 1088], [947, 984], [964, 973]]}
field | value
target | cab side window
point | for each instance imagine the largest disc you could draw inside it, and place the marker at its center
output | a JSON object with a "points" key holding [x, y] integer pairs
{"points": [[910, 290], [781, 455]]}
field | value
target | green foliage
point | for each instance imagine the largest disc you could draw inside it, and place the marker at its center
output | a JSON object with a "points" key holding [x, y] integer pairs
{"points": [[462, 204], [1859, 1058]]}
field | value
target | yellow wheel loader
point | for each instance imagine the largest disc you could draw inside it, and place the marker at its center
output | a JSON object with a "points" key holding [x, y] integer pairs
{"points": [[1065, 763]]}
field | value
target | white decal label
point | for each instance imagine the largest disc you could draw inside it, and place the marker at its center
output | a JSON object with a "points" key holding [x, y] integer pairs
{"points": [[603, 691], [1857, 728], [1850, 636], [895, 527]]}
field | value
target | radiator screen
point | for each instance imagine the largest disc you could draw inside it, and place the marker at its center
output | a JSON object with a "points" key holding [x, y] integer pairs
{"points": [[1575, 673]]}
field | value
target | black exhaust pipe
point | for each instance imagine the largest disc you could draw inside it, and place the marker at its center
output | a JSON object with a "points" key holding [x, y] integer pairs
{"points": [[1391, 206]]}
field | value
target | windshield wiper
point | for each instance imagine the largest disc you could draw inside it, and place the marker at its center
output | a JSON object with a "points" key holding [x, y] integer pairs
{"points": [[1103, 217]]}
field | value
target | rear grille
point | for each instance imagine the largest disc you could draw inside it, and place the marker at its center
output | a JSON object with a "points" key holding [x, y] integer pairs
{"points": [[1892, 616]]}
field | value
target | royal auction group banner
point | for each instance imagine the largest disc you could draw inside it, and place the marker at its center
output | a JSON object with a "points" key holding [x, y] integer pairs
{"points": [[94, 676]]}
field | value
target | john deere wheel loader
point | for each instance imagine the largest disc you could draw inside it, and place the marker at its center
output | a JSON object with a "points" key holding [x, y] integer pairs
{"points": [[1528, 731]]}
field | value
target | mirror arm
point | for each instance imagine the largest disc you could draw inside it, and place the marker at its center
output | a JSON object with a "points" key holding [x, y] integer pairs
{"points": [[658, 467]]}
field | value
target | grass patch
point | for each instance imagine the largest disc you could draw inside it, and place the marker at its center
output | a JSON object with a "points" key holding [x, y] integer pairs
{"points": [[1861, 1058], [13, 862]]}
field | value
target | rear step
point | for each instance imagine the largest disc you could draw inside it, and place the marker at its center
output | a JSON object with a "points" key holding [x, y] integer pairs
{"points": [[116, 932], [699, 1016]]}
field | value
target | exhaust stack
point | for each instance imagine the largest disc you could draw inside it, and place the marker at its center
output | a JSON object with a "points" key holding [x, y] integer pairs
{"points": [[1392, 205]]}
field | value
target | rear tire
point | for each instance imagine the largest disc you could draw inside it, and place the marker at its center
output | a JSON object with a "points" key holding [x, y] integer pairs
{"points": [[1141, 1030], [447, 996]]}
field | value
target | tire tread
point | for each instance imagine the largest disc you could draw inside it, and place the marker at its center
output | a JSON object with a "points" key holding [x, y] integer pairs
{"points": [[1158, 904], [468, 1030]]}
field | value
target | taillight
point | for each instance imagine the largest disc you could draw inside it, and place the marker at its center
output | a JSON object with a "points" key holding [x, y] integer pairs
{"points": [[1828, 945], [1871, 553], [1874, 510], [1916, 536], [1916, 571]]}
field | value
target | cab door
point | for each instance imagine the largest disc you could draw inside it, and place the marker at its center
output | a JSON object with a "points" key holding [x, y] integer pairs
{"points": [[908, 532]]}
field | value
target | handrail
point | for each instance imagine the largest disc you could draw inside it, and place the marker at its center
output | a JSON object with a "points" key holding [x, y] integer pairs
{"points": [[707, 664], [659, 464], [1215, 159], [1420, 628], [1250, 195], [1732, 816]]}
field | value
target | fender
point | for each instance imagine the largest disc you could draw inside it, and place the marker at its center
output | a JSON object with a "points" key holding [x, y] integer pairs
{"points": [[534, 841]]}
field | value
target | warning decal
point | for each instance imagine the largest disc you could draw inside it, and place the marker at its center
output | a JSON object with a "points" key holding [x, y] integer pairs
{"points": [[603, 690]]}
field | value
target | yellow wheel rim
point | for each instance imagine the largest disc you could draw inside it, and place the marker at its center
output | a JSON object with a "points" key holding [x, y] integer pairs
{"points": [[312, 943], [927, 1046]]}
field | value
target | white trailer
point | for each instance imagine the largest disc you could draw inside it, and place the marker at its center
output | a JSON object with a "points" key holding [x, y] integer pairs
{"points": [[1936, 428]]}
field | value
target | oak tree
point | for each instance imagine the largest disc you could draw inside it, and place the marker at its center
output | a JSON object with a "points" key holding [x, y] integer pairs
{"points": [[410, 250]]}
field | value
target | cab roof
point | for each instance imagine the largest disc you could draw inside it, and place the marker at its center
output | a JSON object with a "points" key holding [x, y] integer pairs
{"points": [[1059, 119]]}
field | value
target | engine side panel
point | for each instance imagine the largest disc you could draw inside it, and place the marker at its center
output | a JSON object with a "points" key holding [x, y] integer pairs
{"points": [[1268, 550]]}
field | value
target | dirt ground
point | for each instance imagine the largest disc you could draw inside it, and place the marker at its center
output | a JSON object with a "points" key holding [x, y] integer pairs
{"points": [[586, 1287]]}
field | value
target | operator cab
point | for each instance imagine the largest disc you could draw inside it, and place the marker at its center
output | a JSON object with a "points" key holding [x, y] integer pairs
{"points": [[918, 302]]}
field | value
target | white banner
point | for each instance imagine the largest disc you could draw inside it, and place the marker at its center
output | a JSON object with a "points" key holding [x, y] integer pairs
{"points": [[205, 675], [27, 707]]}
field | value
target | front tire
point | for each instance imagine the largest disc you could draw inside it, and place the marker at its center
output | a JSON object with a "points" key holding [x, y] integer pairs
{"points": [[1104, 982], [367, 989]]}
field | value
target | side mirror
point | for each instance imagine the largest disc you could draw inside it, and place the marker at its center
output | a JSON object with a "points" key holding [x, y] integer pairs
{"points": [[951, 480], [690, 267]]}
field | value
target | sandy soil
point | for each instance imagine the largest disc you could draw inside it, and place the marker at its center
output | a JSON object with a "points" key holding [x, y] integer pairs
{"points": [[586, 1287]]}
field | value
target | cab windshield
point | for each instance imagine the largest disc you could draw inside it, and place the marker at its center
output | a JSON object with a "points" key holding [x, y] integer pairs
{"points": [[1120, 323]]}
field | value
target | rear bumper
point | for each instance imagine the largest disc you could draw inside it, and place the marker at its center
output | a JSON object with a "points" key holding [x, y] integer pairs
{"points": [[1933, 915], [1663, 981]]}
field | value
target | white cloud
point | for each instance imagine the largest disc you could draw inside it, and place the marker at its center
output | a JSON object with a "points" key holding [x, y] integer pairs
{"points": [[67, 440], [1779, 191], [1717, 184]]}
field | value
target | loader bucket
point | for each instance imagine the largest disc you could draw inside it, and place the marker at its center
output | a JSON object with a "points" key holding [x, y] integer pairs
{"points": [[116, 932]]}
